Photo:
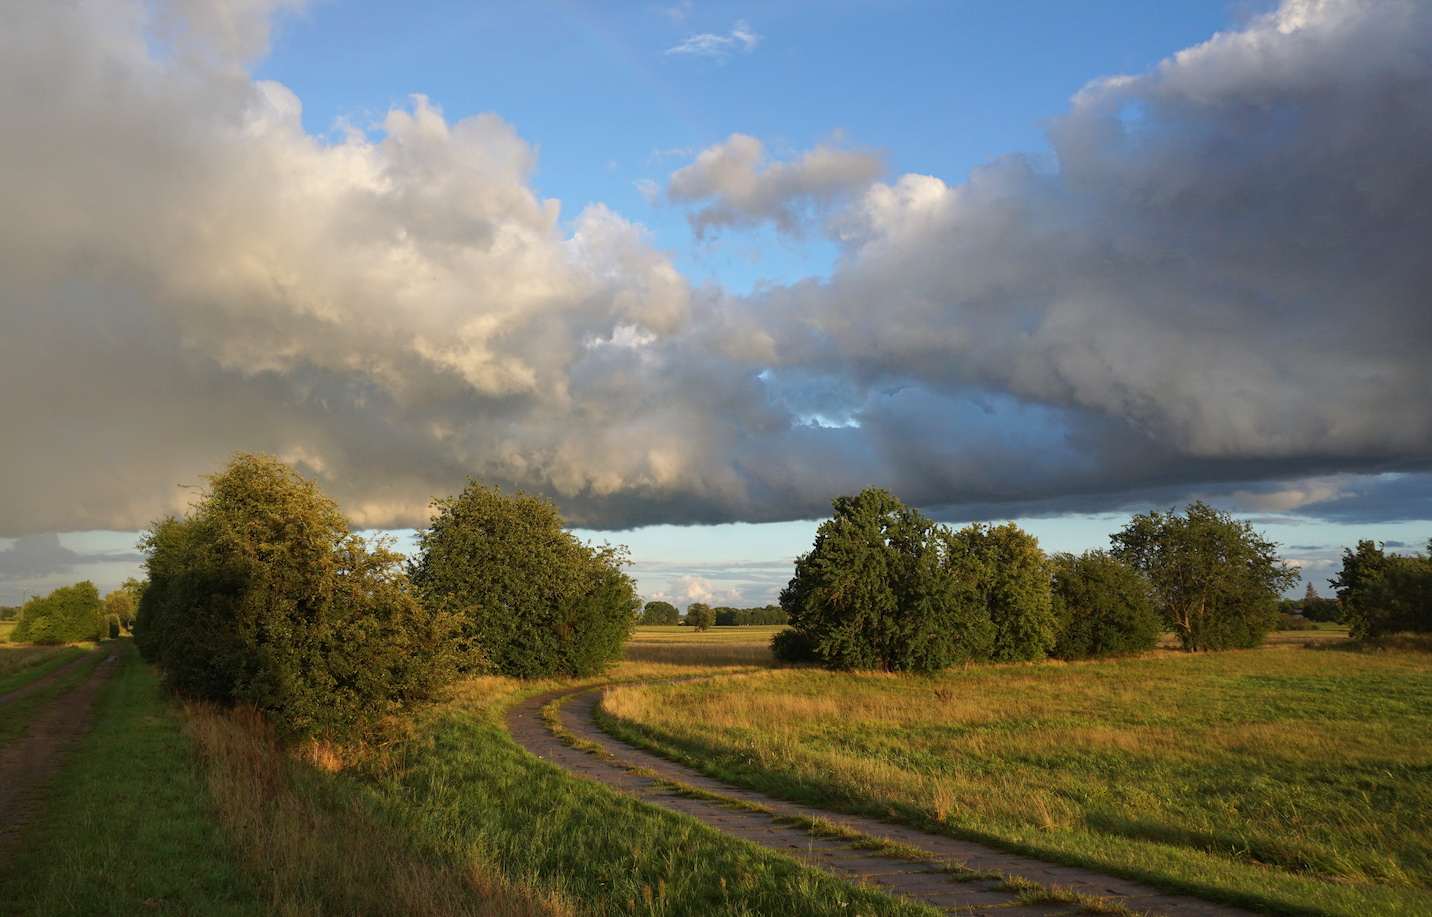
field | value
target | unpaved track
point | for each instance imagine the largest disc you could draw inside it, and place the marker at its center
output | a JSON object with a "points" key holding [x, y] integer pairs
{"points": [[26, 762], [26, 690], [921, 879]]}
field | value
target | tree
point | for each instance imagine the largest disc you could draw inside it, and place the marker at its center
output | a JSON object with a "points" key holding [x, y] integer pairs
{"points": [[700, 616], [70, 614], [1005, 568], [872, 594], [1385, 593], [262, 595], [533, 598], [1215, 580], [658, 612], [1361, 569], [119, 606], [1102, 606]]}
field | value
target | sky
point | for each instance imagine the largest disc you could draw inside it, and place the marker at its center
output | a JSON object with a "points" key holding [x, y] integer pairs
{"points": [[692, 269]]}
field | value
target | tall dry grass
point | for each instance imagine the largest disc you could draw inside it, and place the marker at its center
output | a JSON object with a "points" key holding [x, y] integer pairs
{"points": [[324, 851], [14, 657]]}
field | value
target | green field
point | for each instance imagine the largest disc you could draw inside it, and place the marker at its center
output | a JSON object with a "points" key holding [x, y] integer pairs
{"points": [[1285, 777], [676, 645]]}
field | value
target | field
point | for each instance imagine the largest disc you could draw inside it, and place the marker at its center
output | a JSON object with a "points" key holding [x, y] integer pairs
{"points": [[5, 628], [719, 646], [1286, 777]]}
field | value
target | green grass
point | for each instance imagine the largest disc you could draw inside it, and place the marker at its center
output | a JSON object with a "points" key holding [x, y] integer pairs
{"points": [[15, 718], [464, 783], [125, 828], [1290, 779], [5, 628], [21, 664]]}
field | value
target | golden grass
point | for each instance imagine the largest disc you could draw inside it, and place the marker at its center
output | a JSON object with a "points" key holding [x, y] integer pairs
{"points": [[1248, 770], [15, 657], [717, 647], [321, 854]]}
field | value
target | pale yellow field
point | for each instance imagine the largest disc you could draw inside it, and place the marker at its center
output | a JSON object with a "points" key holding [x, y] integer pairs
{"points": [[719, 646]]}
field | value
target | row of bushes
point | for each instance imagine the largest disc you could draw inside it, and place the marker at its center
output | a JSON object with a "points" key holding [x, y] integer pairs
{"points": [[885, 588], [1383, 593], [262, 594]]}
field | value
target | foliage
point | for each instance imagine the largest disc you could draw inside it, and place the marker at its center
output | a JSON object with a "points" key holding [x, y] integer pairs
{"points": [[1216, 581], [1384, 593], [872, 594], [120, 606], [658, 612], [262, 595], [533, 599], [9, 612], [67, 615], [1003, 566], [745, 617], [700, 616], [1102, 606]]}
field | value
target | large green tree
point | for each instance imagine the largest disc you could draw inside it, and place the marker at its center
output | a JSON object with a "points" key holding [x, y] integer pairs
{"points": [[1003, 566], [1385, 593], [262, 595], [1215, 580], [700, 616], [659, 612], [872, 594], [533, 598], [1103, 607], [70, 614]]}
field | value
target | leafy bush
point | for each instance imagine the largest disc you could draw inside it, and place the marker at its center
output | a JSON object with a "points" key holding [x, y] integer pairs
{"points": [[658, 612], [1102, 606], [531, 597], [872, 594], [262, 595], [1003, 566], [70, 614]]}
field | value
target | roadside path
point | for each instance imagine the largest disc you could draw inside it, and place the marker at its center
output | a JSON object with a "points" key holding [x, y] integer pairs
{"points": [[30, 759], [24, 691], [927, 878]]}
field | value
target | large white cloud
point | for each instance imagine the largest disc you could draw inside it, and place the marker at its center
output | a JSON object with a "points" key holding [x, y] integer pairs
{"points": [[1222, 277]]}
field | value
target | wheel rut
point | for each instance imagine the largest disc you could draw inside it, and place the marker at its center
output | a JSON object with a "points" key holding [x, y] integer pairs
{"points": [[31, 759], [928, 868]]}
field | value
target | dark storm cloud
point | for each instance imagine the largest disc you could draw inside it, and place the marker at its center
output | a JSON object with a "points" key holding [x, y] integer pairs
{"points": [[1217, 284]]}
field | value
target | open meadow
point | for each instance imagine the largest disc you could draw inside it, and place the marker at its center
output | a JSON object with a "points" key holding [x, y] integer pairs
{"points": [[1292, 777]]}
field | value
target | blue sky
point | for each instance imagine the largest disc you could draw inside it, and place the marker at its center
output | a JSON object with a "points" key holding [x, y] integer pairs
{"points": [[692, 269]]}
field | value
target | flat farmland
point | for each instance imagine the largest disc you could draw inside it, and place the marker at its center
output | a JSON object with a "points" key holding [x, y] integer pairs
{"points": [[720, 646], [1291, 777]]}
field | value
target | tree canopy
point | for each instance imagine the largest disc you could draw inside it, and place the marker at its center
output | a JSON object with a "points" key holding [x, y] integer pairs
{"points": [[872, 594], [1384, 593], [532, 598], [1215, 580], [69, 614], [659, 612], [261, 594], [1004, 568], [1102, 606]]}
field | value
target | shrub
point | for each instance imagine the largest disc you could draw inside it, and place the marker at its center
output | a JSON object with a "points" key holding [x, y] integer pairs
{"points": [[657, 612], [1102, 606], [1385, 593], [872, 594], [532, 598], [262, 595], [70, 614]]}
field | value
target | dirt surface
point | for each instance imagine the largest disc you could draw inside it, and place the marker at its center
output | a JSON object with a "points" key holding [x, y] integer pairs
{"points": [[926, 878], [28, 761], [40, 683]]}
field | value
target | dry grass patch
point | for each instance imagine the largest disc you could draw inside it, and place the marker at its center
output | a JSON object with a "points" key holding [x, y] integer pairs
{"points": [[1274, 776]]}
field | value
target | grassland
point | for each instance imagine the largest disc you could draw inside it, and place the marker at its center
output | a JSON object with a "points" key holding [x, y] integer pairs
{"points": [[1295, 779], [720, 646], [188, 809]]}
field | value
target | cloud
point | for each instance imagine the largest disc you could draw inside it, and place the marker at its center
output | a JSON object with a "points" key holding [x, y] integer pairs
{"points": [[37, 555], [741, 40], [685, 590], [749, 189], [1215, 284]]}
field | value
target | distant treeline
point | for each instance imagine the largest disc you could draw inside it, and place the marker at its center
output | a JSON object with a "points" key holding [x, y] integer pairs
{"points": [[701, 616]]}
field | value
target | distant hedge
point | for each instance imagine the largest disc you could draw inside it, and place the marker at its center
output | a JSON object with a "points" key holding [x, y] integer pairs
{"points": [[70, 614]]}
